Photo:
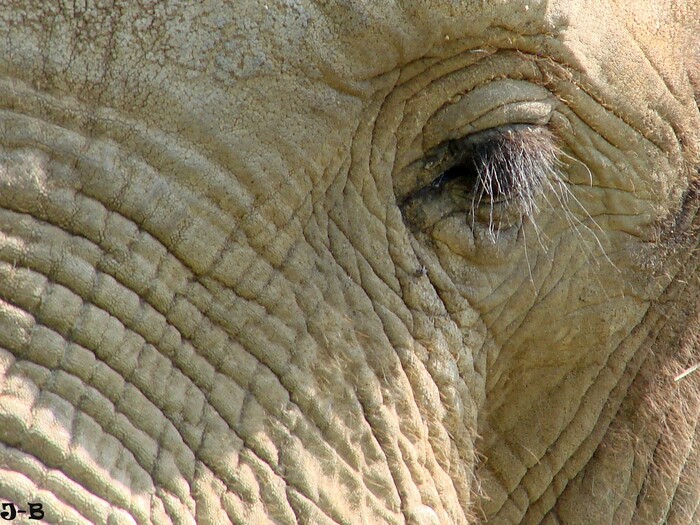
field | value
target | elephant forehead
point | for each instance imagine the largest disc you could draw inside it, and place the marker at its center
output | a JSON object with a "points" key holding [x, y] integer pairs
{"points": [[212, 44], [303, 72]]}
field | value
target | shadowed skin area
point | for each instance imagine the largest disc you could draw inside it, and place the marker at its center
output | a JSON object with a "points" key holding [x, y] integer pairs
{"points": [[315, 262]]}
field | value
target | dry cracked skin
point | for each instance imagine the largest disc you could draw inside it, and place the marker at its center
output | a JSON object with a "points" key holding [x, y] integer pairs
{"points": [[316, 262]]}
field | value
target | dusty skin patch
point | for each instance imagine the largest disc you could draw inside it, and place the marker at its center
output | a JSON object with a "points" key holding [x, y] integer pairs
{"points": [[212, 309]]}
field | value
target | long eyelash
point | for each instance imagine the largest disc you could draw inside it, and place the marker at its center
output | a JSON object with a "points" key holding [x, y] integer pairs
{"points": [[517, 170], [520, 165], [514, 168]]}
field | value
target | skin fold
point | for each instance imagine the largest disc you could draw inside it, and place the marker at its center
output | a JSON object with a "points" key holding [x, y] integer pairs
{"points": [[293, 262]]}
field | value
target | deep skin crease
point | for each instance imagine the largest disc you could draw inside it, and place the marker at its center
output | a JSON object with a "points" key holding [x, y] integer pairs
{"points": [[301, 262]]}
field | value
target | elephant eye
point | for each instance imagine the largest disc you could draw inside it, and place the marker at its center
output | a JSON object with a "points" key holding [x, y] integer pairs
{"points": [[495, 176], [500, 165]]}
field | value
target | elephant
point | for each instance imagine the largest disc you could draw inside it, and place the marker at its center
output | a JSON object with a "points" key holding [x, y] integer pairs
{"points": [[297, 261]]}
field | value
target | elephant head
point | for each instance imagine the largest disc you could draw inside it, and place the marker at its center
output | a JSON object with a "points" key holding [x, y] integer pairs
{"points": [[315, 262]]}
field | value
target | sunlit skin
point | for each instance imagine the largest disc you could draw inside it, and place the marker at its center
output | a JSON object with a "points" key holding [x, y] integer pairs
{"points": [[417, 262]]}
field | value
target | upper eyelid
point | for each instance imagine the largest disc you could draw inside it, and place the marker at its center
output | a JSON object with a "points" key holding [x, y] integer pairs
{"points": [[526, 102]]}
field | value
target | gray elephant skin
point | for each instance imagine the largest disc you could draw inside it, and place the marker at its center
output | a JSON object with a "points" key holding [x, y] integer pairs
{"points": [[350, 262]]}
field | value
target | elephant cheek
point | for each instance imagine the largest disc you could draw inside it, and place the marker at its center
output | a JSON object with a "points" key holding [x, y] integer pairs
{"points": [[145, 368]]}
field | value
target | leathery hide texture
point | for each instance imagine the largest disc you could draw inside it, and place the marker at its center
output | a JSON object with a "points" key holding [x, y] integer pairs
{"points": [[292, 262]]}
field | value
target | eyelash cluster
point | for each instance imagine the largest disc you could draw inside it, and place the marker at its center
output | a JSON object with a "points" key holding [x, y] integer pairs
{"points": [[513, 169], [508, 169], [502, 177]]}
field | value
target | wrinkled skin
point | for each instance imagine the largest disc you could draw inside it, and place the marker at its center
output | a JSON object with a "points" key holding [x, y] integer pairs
{"points": [[225, 298]]}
